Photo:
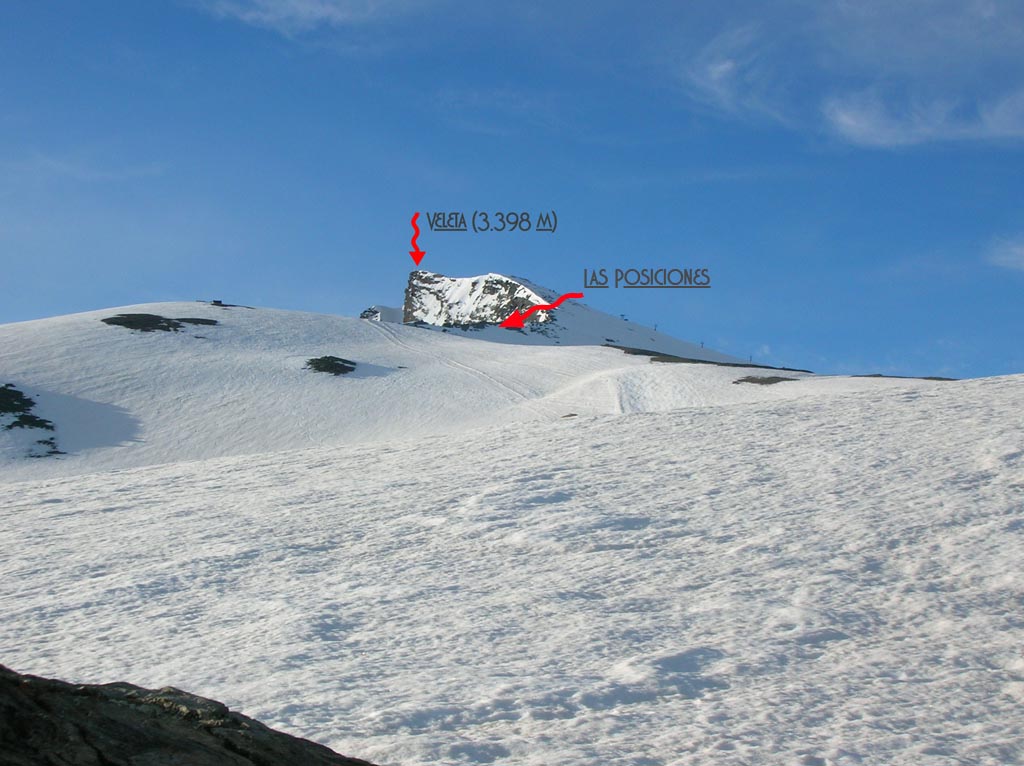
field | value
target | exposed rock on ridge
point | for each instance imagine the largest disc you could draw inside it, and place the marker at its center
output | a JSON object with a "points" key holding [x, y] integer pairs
{"points": [[460, 302], [45, 721]]}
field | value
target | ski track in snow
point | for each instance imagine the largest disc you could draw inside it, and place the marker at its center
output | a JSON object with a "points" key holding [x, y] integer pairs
{"points": [[393, 335], [123, 399], [800, 580]]}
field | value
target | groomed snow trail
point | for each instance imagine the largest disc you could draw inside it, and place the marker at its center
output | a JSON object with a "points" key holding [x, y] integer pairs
{"points": [[814, 580]]}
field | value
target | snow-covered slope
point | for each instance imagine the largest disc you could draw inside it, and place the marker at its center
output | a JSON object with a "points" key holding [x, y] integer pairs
{"points": [[476, 306], [813, 580], [120, 397], [540, 551]]}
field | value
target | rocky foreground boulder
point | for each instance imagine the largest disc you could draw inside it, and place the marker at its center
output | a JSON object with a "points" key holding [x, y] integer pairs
{"points": [[45, 721]]}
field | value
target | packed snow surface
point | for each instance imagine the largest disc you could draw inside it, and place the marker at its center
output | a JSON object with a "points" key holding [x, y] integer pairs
{"points": [[123, 398], [815, 572]]}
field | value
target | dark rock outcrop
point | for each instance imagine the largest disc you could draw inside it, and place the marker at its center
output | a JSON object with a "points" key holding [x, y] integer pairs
{"points": [[14, 402], [378, 313], [16, 413], [154, 322], [335, 365], [45, 721], [762, 380]]}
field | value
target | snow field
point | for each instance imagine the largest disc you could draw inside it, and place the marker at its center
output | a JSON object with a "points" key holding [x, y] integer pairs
{"points": [[124, 399], [798, 580]]}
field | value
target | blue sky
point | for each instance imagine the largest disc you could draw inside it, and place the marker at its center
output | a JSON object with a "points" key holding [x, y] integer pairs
{"points": [[852, 174]]}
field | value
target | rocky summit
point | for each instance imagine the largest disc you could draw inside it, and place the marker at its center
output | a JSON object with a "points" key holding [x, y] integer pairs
{"points": [[461, 301], [46, 721]]}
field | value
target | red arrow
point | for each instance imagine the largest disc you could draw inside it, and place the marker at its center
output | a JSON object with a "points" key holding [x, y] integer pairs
{"points": [[515, 319], [416, 253]]}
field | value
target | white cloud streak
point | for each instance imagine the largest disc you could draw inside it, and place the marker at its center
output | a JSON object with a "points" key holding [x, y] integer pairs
{"points": [[291, 17], [1008, 253], [735, 73], [871, 73], [867, 119]]}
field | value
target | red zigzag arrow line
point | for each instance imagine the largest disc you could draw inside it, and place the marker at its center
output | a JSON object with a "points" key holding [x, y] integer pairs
{"points": [[555, 305], [515, 319], [416, 253]]}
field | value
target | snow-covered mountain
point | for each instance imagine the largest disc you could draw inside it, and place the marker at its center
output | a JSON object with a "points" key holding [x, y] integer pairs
{"points": [[476, 306], [459, 301], [167, 382], [420, 544]]}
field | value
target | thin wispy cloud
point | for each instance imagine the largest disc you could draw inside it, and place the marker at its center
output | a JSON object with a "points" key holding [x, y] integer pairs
{"points": [[297, 16], [735, 73], [870, 119], [1008, 253], [870, 73]]}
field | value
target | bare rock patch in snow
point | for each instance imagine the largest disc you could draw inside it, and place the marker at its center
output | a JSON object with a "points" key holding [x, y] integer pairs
{"points": [[334, 365], [49, 721], [762, 380], [154, 322], [16, 414]]}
